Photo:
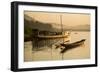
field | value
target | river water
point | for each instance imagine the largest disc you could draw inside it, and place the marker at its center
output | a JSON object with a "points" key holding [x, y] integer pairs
{"points": [[50, 53]]}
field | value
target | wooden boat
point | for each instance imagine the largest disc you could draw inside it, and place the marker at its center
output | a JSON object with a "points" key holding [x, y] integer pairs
{"points": [[71, 45], [53, 36]]}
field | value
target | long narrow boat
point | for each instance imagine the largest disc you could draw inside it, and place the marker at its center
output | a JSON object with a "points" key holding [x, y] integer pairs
{"points": [[72, 45]]}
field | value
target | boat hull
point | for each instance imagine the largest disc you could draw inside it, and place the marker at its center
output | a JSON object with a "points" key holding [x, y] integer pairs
{"points": [[72, 45]]}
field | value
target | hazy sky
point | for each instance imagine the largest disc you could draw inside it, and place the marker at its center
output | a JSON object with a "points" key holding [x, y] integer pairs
{"points": [[68, 19]]}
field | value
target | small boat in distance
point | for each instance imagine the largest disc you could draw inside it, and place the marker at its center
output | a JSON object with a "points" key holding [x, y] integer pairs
{"points": [[71, 45], [76, 33]]}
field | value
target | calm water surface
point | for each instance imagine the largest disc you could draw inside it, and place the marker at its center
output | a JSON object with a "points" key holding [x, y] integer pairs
{"points": [[50, 53]]}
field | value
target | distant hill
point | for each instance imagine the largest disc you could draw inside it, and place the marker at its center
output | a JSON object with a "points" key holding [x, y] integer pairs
{"points": [[78, 28], [34, 24], [82, 27]]}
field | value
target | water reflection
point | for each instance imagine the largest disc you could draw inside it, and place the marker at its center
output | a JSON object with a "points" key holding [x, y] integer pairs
{"points": [[44, 49]]}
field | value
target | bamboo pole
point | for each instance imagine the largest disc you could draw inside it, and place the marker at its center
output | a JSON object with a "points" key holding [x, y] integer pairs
{"points": [[62, 56], [51, 52], [62, 34]]}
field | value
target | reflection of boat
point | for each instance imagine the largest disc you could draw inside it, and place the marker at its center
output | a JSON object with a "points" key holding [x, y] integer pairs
{"points": [[72, 45]]}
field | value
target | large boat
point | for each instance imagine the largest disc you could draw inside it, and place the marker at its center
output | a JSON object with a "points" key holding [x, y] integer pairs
{"points": [[53, 36]]}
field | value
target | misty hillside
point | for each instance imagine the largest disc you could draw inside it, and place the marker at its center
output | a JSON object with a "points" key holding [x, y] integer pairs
{"points": [[78, 28], [34, 24]]}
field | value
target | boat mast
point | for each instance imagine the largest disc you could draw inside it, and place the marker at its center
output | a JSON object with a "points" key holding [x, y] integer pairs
{"points": [[62, 26], [62, 55]]}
